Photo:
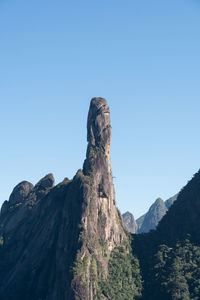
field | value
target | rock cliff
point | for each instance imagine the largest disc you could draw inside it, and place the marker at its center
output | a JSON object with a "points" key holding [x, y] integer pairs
{"points": [[56, 242], [101, 224], [67, 242]]}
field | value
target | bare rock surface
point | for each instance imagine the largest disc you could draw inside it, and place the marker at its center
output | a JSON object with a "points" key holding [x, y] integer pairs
{"points": [[20, 192], [52, 236], [100, 218]]}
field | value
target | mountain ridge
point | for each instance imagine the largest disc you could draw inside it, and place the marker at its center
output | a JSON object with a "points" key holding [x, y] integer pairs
{"points": [[149, 220], [62, 242], [67, 241]]}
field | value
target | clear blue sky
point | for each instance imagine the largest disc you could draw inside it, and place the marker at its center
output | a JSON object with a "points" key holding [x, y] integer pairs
{"points": [[143, 56]]}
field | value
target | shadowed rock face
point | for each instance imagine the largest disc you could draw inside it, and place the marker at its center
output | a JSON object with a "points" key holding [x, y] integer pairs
{"points": [[20, 192], [5, 207], [170, 255], [47, 182], [52, 236]]}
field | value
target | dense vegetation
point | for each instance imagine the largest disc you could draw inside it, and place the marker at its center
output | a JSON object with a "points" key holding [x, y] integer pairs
{"points": [[124, 279], [173, 272], [176, 271], [170, 256]]}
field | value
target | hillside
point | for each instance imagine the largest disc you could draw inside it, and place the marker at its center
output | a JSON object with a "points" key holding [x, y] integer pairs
{"points": [[170, 256]]}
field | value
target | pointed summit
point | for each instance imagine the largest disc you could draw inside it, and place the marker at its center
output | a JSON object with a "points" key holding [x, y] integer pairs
{"points": [[46, 182], [97, 165], [155, 213], [65, 238], [100, 219], [98, 135], [98, 124], [20, 192]]}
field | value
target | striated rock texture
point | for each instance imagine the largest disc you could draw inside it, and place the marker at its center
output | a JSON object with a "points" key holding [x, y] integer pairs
{"points": [[129, 222], [58, 242]]}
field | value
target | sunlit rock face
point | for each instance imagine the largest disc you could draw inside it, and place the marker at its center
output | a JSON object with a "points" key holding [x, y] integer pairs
{"points": [[97, 165], [100, 218], [52, 236]]}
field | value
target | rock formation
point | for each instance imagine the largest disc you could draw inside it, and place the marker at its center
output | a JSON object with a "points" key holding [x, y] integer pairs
{"points": [[67, 242], [129, 222], [156, 212], [20, 192], [153, 216], [56, 241], [100, 218]]}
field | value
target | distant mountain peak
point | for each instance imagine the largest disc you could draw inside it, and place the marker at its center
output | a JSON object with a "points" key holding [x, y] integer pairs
{"points": [[129, 222], [155, 213]]}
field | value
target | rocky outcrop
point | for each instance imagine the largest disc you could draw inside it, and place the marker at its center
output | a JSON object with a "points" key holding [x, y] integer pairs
{"points": [[129, 222], [156, 212], [101, 220], [45, 183], [154, 215], [98, 167], [56, 241], [67, 242], [40, 238], [20, 192]]}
